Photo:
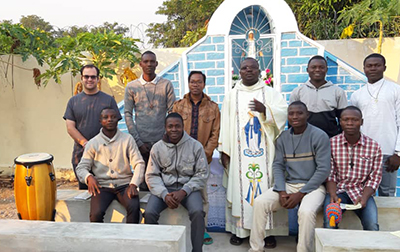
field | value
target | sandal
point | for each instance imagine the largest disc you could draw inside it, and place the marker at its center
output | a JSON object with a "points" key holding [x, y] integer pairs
{"points": [[270, 242], [208, 240], [236, 240]]}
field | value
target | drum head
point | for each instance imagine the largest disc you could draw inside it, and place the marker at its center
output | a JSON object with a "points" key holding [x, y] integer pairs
{"points": [[34, 158]]}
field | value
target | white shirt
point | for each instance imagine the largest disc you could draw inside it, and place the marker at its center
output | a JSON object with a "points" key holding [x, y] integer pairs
{"points": [[144, 82], [380, 105]]}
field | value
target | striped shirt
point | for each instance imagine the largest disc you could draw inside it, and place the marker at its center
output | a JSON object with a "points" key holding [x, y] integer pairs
{"points": [[354, 167]]}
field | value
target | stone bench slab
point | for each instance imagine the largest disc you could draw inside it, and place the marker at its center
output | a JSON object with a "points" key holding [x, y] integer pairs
{"points": [[19, 235], [328, 240]]}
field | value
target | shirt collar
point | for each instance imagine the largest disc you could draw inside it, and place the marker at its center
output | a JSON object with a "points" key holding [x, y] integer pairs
{"points": [[377, 83], [360, 141], [154, 81]]}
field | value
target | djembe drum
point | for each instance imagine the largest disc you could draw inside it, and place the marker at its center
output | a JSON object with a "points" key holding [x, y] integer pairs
{"points": [[35, 186]]}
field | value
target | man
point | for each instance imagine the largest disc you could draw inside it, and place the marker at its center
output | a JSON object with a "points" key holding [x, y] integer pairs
{"points": [[151, 96], [323, 99], [301, 165], [83, 112], [253, 115], [379, 101], [176, 173], [355, 169], [106, 169], [201, 119]]}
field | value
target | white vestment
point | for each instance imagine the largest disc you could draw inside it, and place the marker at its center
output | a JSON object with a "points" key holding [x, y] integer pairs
{"points": [[249, 173]]}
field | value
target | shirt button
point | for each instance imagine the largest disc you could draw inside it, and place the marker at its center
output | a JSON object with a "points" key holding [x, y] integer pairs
{"points": [[110, 160], [112, 171]]}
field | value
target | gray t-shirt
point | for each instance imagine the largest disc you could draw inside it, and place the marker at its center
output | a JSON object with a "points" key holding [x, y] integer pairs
{"points": [[85, 111]]}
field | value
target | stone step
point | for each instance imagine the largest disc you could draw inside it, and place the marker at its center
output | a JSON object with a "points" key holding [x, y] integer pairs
{"points": [[19, 235], [328, 240]]}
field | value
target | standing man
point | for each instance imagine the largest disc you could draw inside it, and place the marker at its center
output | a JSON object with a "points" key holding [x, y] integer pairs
{"points": [[323, 99], [83, 112], [201, 119], [177, 171], [379, 101], [301, 165], [253, 115], [106, 169], [151, 97], [355, 169]]}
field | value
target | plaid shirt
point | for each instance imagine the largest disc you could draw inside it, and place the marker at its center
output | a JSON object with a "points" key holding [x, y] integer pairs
{"points": [[195, 119], [355, 167]]}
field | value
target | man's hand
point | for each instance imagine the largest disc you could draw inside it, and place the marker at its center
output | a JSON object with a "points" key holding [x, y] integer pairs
{"points": [[132, 191], [225, 159], [294, 199], [171, 202], [178, 195], [256, 105], [334, 198], [93, 185], [362, 201], [283, 198], [144, 149], [393, 163]]}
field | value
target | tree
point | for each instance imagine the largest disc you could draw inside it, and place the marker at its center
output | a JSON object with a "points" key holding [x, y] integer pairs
{"points": [[182, 16], [35, 22], [65, 54], [371, 18], [318, 19]]}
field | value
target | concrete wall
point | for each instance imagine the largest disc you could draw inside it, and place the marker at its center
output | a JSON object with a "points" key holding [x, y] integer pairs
{"points": [[32, 117]]}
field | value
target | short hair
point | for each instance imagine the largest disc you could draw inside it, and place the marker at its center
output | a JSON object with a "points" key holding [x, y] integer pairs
{"points": [[298, 103], [106, 108], [375, 55], [90, 66], [197, 72], [317, 57], [250, 58], [147, 52], [173, 115], [354, 108]]}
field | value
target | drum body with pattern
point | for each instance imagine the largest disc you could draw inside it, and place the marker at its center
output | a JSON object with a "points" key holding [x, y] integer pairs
{"points": [[35, 186]]}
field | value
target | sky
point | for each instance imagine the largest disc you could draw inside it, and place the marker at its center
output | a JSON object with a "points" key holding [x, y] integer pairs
{"points": [[84, 12]]}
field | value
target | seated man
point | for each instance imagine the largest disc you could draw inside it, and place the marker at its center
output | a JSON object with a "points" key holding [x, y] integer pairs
{"points": [[176, 173], [355, 169], [300, 167], [106, 168]]}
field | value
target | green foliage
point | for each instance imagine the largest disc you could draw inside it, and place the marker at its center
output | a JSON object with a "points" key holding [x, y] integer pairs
{"points": [[182, 16], [367, 16], [66, 54], [35, 22]]}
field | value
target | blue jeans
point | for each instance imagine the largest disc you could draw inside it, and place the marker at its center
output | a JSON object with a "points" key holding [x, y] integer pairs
{"points": [[367, 215]]}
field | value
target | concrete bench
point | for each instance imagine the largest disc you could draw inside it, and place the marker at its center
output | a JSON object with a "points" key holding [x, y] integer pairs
{"points": [[70, 209], [388, 216], [328, 240], [18, 235]]}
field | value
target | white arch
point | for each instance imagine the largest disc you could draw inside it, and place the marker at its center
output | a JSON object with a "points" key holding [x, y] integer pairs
{"points": [[279, 13]]}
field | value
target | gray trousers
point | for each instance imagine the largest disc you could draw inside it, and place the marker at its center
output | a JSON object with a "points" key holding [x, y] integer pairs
{"points": [[193, 203], [389, 180]]}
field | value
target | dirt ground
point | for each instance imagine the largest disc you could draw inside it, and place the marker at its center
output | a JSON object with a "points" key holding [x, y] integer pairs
{"points": [[8, 209]]}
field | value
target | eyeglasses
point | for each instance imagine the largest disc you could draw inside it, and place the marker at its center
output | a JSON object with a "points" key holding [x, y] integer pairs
{"points": [[93, 77]]}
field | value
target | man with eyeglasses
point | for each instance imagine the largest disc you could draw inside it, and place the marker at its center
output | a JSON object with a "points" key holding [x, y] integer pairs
{"points": [[201, 118], [151, 97], [83, 112]]}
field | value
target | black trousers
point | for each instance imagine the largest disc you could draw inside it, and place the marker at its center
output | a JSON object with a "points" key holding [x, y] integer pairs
{"points": [[100, 203]]}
